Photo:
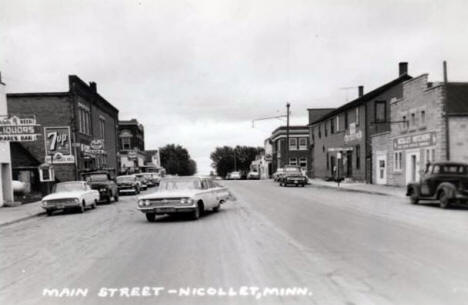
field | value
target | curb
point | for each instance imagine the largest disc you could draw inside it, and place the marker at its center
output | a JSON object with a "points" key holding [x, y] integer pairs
{"points": [[344, 189], [21, 219]]}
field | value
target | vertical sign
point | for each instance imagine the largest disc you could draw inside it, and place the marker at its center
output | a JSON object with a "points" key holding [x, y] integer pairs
{"points": [[58, 145]]}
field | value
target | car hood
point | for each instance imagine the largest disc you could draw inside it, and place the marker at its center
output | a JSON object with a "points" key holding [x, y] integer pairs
{"points": [[62, 195], [171, 194]]}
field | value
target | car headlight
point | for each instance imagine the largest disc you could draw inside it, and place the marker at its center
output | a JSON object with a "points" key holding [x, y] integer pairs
{"points": [[44, 203], [186, 201], [76, 200]]}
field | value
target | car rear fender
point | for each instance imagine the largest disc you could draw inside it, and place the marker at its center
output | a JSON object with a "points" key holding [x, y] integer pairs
{"points": [[448, 188]]}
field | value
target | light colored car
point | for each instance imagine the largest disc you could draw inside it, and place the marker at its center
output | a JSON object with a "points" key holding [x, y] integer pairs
{"points": [[253, 175], [279, 172], [235, 176], [193, 195], [70, 195]]}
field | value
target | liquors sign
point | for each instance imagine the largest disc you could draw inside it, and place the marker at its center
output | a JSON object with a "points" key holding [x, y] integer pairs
{"points": [[17, 129], [58, 145]]}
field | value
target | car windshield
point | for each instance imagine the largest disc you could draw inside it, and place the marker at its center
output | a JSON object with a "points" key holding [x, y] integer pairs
{"points": [[450, 169], [97, 177], [125, 179], [69, 187], [192, 184]]}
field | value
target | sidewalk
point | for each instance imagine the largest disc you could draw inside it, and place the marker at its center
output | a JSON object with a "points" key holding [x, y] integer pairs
{"points": [[362, 187], [9, 215]]}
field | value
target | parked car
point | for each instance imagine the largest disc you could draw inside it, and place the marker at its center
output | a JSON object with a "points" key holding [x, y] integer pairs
{"points": [[235, 176], [152, 179], [191, 195], [253, 175], [228, 176], [103, 182], [143, 181], [278, 173], [128, 184], [70, 195], [446, 182]]}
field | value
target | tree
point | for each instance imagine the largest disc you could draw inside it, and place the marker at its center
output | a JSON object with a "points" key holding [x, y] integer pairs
{"points": [[176, 160], [227, 159]]}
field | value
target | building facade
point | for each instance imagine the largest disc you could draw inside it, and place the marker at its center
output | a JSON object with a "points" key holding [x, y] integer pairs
{"points": [[78, 129], [131, 146], [430, 123], [341, 139], [296, 153], [6, 190]]}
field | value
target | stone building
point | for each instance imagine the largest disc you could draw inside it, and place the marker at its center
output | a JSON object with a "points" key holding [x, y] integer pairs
{"points": [[429, 123], [78, 129], [341, 139]]}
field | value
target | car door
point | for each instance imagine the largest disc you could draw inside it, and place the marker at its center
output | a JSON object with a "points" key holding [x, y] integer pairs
{"points": [[207, 194]]}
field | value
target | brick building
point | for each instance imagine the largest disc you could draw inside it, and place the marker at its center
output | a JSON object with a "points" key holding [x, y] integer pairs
{"points": [[430, 123], [297, 154], [78, 129], [341, 139], [131, 146]]}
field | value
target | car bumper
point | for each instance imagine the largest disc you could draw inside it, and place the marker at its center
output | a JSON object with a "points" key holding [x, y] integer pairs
{"points": [[167, 209], [127, 190], [55, 206]]}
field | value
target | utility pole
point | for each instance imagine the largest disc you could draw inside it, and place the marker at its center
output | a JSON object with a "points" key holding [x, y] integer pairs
{"points": [[287, 133]]}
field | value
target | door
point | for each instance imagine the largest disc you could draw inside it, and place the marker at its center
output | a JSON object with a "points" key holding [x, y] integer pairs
{"points": [[412, 166], [381, 168], [349, 163]]}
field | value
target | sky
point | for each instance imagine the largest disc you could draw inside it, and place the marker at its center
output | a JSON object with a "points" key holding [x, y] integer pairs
{"points": [[197, 72]]}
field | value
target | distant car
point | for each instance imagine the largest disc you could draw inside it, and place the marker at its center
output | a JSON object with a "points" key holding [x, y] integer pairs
{"points": [[152, 179], [292, 176], [228, 176], [278, 173], [70, 195], [128, 184], [191, 195], [235, 176], [143, 181], [253, 175], [104, 184], [446, 182]]}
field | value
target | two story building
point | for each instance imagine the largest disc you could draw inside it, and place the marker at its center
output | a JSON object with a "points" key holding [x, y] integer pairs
{"points": [[132, 146], [293, 153], [341, 139]]}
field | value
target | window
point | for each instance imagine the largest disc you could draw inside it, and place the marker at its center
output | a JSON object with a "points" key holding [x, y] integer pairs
{"points": [[292, 143], [337, 123], [423, 117], [320, 131], [326, 130], [404, 123], [433, 157], [84, 119], [126, 142], [380, 111], [102, 127], [397, 161], [358, 156], [332, 126], [328, 160], [357, 116], [302, 143], [278, 151], [293, 161], [303, 162], [346, 121], [413, 120]]}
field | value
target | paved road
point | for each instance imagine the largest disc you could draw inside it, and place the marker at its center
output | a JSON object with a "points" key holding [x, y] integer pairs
{"points": [[345, 248]]}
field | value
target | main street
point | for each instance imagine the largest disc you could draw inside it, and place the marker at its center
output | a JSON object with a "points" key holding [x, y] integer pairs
{"points": [[344, 247]]}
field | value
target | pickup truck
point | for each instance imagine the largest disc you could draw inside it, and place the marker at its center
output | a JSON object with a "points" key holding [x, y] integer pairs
{"points": [[104, 184]]}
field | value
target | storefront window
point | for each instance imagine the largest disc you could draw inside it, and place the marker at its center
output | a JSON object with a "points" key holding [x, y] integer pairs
{"points": [[397, 164], [293, 161]]}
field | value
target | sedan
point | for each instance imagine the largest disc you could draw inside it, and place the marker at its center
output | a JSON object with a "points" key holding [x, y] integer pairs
{"points": [[189, 195], [76, 195]]}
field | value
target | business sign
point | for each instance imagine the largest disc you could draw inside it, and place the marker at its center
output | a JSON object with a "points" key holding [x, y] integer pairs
{"points": [[415, 141], [17, 129], [58, 145], [132, 155], [352, 134], [339, 149], [96, 147]]}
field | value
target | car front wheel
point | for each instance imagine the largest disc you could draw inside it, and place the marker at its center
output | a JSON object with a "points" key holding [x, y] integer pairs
{"points": [[151, 217], [444, 200]]}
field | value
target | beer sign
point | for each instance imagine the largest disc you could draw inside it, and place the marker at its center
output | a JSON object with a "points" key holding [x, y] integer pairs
{"points": [[17, 129]]}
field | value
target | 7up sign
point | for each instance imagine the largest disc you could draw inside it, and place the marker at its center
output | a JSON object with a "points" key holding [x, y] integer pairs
{"points": [[58, 145]]}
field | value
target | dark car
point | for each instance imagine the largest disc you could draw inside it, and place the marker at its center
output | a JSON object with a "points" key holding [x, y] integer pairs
{"points": [[446, 182], [104, 184], [128, 184], [292, 176]]}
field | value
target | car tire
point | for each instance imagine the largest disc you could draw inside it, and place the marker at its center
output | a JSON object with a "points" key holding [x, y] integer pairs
{"points": [[197, 212], [216, 208], [151, 217], [444, 200], [93, 206], [49, 212], [109, 197], [116, 197], [82, 208]]}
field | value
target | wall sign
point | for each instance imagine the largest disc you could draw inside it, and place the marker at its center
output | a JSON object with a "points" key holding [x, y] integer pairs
{"points": [[415, 141], [17, 129], [96, 147], [58, 145]]}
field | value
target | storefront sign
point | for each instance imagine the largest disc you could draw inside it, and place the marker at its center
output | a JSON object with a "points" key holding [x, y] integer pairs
{"points": [[58, 145], [132, 155], [96, 147], [333, 149], [415, 141], [17, 129]]}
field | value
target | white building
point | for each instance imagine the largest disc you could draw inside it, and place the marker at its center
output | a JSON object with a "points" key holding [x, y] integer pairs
{"points": [[6, 190]]}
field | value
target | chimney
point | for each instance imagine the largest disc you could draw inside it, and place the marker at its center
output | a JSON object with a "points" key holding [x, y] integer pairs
{"points": [[93, 87], [361, 90], [445, 72], [403, 68]]}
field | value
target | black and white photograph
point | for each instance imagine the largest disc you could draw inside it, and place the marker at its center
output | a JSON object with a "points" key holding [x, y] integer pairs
{"points": [[234, 152]]}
